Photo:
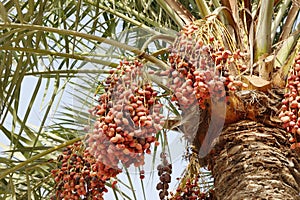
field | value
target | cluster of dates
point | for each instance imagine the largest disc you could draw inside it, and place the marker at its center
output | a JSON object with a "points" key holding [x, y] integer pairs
{"points": [[127, 121], [79, 175], [290, 109], [200, 69], [191, 190], [164, 172], [128, 118]]}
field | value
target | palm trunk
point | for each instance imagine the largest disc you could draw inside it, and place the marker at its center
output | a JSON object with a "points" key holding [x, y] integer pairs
{"points": [[253, 161]]}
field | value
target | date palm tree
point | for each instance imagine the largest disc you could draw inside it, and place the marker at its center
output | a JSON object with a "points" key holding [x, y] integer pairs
{"points": [[54, 53]]}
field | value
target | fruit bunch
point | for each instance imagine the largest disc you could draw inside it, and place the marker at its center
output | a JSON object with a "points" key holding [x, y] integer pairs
{"points": [[191, 190], [79, 175], [200, 68], [290, 109], [164, 173], [128, 117]]}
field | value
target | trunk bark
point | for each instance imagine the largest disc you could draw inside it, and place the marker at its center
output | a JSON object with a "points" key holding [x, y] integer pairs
{"points": [[253, 161]]}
